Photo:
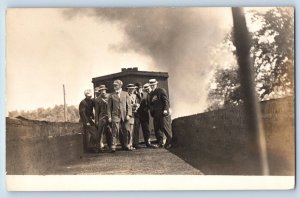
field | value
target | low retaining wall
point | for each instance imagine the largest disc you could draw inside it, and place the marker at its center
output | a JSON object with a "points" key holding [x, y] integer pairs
{"points": [[217, 142], [34, 147]]}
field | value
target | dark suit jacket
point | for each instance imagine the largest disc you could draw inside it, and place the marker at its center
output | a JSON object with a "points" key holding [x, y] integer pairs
{"points": [[86, 111], [101, 107], [119, 108], [143, 110], [159, 101]]}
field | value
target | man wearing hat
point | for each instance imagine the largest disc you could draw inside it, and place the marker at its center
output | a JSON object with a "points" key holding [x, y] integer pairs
{"points": [[101, 117], [147, 89], [134, 105], [160, 111], [119, 113], [86, 117], [96, 91], [141, 117]]}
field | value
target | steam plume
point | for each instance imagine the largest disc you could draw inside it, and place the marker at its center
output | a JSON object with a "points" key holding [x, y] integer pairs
{"points": [[177, 39]]}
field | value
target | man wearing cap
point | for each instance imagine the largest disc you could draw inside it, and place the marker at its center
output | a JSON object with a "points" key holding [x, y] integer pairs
{"points": [[141, 117], [160, 111], [119, 112], [101, 117], [86, 117], [134, 105]]}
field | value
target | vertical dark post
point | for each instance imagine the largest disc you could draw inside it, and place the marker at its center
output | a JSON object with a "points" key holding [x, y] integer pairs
{"points": [[246, 75], [65, 107]]}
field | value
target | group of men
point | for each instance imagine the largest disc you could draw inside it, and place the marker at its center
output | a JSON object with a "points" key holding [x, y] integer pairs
{"points": [[119, 115]]}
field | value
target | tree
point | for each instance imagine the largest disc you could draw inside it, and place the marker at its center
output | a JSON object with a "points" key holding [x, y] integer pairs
{"points": [[55, 114], [273, 55], [13, 113], [226, 92]]}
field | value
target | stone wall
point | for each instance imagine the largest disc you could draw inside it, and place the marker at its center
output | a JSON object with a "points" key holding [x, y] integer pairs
{"points": [[217, 142], [34, 147]]}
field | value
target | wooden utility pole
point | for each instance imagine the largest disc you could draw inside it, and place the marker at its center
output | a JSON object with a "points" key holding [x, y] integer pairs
{"points": [[65, 107]]}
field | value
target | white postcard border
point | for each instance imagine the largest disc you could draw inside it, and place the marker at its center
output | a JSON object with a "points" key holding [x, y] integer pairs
{"points": [[146, 182]]}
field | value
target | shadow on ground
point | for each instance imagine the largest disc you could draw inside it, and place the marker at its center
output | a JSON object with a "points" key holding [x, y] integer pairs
{"points": [[207, 164], [230, 164]]}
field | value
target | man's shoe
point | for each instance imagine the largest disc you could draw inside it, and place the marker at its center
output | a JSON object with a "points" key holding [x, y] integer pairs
{"points": [[128, 149], [168, 146], [95, 150], [113, 150], [151, 146], [101, 150], [160, 145]]}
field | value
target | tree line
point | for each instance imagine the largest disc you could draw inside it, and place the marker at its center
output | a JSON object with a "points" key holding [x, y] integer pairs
{"points": [[54, 114], [272, 53]]}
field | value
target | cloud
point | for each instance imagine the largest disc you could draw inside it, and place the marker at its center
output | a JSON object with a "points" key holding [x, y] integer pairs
{"points": [[177, 39]]}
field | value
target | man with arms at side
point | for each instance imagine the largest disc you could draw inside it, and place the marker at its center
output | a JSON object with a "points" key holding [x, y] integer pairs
{"points": [[134, 107], [119, 112], [101, 117], [160, 111]]}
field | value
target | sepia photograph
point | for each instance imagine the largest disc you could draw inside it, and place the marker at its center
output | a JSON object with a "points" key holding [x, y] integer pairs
{"points": [[172, 94]]}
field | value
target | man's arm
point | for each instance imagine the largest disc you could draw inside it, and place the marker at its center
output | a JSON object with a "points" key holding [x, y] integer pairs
{"points": [[128, 106], [93, 107], [97, 111], [165, 100], [83, 116], [109, 107], [149, 105]]}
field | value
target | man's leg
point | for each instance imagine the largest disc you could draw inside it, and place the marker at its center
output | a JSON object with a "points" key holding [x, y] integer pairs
{"points": [[101, 128], [136, 132], [126, 128], [166, 128], [93, 139], [157, 130], [115, 131], [130, 135], [85, 139], [108, 134], [121, 136], [146, 132]]}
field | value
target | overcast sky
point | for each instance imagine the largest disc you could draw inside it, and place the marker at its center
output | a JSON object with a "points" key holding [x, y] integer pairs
{"points": [[47, 48]]}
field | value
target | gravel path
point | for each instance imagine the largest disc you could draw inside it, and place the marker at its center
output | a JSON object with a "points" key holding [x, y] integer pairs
{"points": [[143, 161]]}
